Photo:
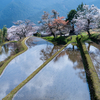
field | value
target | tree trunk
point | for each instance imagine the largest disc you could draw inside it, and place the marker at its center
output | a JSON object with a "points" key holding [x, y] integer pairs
{"points": [[53, 34], [72, 31], [20, 36], [73, 47], [88, 28], [89, 33], [89, 47], [73, 28], [24, 34], [60, 32]]}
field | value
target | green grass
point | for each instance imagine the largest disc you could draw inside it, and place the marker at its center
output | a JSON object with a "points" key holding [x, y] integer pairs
{"points": [[0, 48], [93, 75], [95, 36], [63, 40], [57, 40], [60, 40], [83, 33], [3, 64]]}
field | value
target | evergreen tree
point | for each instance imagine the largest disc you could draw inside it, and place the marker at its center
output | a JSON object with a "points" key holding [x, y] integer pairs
{"points": [[3, 34], [0, 36], [4, 31], [80, 7], [71, 15]]}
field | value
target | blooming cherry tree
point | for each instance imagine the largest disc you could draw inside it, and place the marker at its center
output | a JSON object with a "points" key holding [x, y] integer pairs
{"points": [[23, 28], [60, 25], [53, 24], [87, 19]]}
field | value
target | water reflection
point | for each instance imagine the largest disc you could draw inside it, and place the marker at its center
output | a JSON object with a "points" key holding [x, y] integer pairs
{"points": [[48, 52], [94, 51], [30, 43], [58, 80], [74, 55], [7, 50], [23, 65]]}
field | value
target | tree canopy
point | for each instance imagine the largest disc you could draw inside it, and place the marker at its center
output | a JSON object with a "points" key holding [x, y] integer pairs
{"points": [[22, 28], [80, 7], [54, 24], [87, 18], [71, 15], [3, 34]]}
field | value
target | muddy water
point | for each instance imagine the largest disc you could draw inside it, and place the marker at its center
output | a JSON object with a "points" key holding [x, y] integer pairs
{"points": [[23, 65], [6, 50], [94, 51], [62, 79]]}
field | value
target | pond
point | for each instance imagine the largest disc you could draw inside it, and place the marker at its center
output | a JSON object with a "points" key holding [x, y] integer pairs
{"points": [[23, 65], [94, 52], [63, 78], [6, 50]]}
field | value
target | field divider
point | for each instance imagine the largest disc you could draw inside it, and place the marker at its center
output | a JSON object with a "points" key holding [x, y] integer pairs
{"points": [[92, 77]]}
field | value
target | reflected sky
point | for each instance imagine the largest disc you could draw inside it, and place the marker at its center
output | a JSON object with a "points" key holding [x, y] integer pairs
{"points": [[60, 79], [94, 51], [6, 50], [23, 65]]}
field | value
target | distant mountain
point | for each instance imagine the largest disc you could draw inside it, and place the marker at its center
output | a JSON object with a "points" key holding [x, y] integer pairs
{"points": [[13, 10]]}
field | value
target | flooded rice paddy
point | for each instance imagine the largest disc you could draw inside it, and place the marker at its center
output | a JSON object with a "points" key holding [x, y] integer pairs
{"points": [[7, 50], [63, 78], [23, 65]]}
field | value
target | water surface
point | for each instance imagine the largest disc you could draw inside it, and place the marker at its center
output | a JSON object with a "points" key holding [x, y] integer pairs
{"points": [[7, 50], [23, 65], [62, 79]]}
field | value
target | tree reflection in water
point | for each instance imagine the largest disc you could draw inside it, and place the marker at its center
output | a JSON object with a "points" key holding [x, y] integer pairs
{"points": [[7, 50], [73, 54], [4, 49], [30, 43], [48, 52]]}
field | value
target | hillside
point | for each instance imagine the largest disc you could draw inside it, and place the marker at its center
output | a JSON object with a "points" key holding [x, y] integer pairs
{"points": [[13, 10]]}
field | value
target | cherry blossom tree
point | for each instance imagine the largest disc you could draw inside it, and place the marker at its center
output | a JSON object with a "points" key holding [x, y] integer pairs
{"points": [[23, 27], [60, 25], [86, 19], [53, 24]]}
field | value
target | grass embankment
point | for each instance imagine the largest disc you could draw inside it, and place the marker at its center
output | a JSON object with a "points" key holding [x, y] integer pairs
{"points": [[63, 40], [92, 77], [0, 48], [60, 40], [15, 90], [23, 48], [95, 38]]}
